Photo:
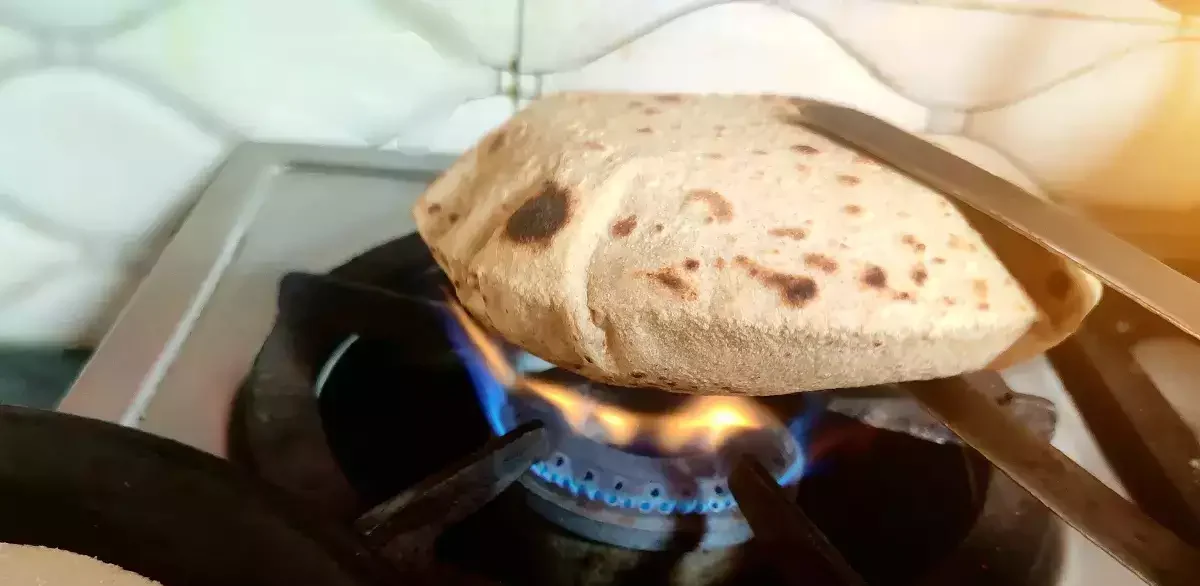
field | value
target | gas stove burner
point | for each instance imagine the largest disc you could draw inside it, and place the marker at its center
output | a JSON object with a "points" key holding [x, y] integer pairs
{"points": [[632, 467], [657, 484], [360, 395], [644, 499]]}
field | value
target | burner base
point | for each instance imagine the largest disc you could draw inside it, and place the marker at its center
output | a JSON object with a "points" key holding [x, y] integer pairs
{"points": [[542, 553], [629, 528]]}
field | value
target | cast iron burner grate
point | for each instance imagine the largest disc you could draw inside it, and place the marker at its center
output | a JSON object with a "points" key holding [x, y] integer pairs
{"points": [[358, 396]]}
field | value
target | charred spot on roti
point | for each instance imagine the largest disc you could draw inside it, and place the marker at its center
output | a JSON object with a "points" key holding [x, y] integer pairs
{"points": [[691, 264], [793, 233], [919, 275], [904, 296], [538, 220], [983, 306], [708, 220], [1058, 284], [637, 374], [671, 280], [758, 152], [718, 206], [624, 227], [658, 227], [937, 260], [874, 277], [804, 149], [453, 217], [644, 130], [848, 180], [853, 209], [669, 98], [434, 208], [821, 262], [794, 290], [720, 262], [913, 243]]}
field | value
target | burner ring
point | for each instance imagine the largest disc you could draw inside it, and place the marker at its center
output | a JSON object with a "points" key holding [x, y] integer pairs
{"points": [[632, 528], [660, 485], [648, 502]]}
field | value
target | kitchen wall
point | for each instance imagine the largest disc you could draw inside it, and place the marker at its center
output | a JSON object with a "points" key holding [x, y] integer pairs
{"points": [[113, 113]]}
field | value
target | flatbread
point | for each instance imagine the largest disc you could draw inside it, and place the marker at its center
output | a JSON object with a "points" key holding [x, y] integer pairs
{"points": [[712, 244], [44, 566], [1063, 292]]}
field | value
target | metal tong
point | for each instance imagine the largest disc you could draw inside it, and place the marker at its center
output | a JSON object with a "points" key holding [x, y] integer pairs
{"points": [[1120, 528]]}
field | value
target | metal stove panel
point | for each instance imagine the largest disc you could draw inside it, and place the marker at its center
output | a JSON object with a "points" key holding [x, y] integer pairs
{"points": [[180, 350]]}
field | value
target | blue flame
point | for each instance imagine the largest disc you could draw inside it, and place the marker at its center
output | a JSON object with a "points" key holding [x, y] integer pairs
{"points": [[624, 500], [491, 394], [493, 398], [798, 429], [801, 429]]}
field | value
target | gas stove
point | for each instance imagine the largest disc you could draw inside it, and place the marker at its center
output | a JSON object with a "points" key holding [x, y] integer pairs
{"points": [[360, 397], [366, 359]]}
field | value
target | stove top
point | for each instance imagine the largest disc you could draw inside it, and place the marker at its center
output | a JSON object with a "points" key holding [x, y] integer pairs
{"points": [[359, 395], [176, 360]]}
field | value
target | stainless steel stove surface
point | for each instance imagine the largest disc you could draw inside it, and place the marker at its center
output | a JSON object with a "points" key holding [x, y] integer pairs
{"points": [[355, 392]]}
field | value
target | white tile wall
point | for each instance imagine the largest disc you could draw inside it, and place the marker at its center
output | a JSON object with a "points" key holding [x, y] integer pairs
{"points": [[112, 112], [725, 48]]}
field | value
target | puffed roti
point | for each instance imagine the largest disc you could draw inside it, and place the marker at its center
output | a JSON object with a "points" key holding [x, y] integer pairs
{"points": [[714, 244], [44, 566]]}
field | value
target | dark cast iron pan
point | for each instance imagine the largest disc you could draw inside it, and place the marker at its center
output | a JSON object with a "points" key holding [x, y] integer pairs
{"points": [[162, 509]]}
